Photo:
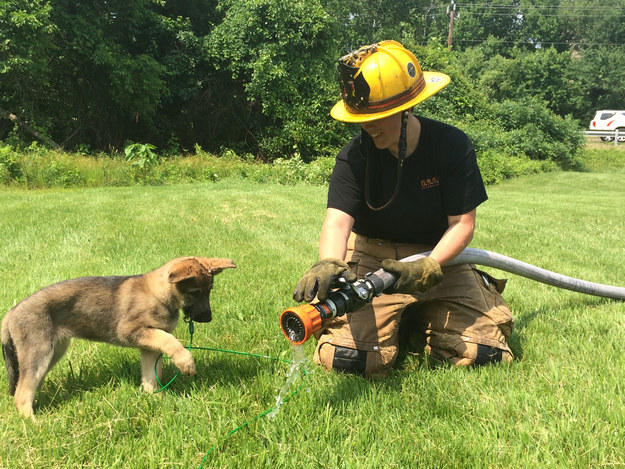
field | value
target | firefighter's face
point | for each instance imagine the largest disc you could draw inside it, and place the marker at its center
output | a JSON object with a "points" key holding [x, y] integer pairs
{"points": [[385, 132]]}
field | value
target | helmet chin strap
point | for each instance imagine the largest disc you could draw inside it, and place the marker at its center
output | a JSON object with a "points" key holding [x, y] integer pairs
{"points": [[401, 156]]}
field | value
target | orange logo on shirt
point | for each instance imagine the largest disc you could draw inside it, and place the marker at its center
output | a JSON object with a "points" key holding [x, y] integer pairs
{"points": [[429, 183]]}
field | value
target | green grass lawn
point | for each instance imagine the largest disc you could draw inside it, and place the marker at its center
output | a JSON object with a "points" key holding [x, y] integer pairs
{"points": [[561, 403]]}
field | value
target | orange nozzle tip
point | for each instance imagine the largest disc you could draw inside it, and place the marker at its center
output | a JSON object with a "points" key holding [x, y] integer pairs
{"points": [[300, 323]]}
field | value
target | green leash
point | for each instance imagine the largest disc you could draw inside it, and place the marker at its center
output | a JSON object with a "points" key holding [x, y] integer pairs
{"points": [[190, 347], [234, 352]]}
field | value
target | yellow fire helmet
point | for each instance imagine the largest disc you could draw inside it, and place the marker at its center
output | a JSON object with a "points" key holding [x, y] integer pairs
{"points": [[380, 80]]}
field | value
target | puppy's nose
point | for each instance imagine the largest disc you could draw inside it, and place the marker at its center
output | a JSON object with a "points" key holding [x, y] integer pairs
{"points": [[205, 316]]}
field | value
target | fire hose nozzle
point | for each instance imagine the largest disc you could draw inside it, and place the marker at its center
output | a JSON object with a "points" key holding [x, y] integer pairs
{"points": [[301, 322]]}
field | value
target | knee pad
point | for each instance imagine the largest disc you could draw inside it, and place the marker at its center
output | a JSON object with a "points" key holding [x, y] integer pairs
{"points": [[362, 359], [462, 353]]}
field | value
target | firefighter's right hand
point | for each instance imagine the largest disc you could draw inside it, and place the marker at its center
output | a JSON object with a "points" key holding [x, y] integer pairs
{"points": [[413, 277], [320, 278]]}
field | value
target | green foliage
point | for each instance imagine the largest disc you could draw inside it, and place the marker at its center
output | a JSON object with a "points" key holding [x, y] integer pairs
{"points": [[478, 21], [104, 73], [496, 165], [259, 76], [539, 133], [141, 155], [460, 101], [9, 165], [544, 74], [26, 51], [600, 80], [565, 52], [39, 168], [116, 80], [275, 54], [522, 138], [141, 158], [506, 134], [501, 155], [359, 23], [603, 157], [293, 170], [25, 32]]}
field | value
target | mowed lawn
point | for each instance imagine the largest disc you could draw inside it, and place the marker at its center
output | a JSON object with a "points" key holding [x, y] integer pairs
{"points": [[561, 403]]}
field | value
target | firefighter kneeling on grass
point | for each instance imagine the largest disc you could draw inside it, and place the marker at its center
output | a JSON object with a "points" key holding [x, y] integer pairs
{"points": [[405, 185]]}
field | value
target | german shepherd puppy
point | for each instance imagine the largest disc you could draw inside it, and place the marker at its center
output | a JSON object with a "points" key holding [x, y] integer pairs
{"points": [[131, 311]]}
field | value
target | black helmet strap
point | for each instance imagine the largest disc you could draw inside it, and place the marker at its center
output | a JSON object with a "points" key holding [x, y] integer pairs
{"points": [[401, 156]]}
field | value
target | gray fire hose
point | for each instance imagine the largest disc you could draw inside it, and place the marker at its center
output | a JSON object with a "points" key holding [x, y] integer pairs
{"points": [[492, 259]]}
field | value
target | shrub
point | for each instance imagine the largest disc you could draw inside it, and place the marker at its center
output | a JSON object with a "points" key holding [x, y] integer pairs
{"points": [[141, 158], [9, 165], [523, 131], [539, 133], [319, 170], [41, 168], [497, 166], [273, 64]]}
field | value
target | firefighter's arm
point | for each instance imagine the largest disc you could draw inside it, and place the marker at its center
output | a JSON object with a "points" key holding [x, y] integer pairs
{"points": [[320, 278], [456, 238], [335, 231]]}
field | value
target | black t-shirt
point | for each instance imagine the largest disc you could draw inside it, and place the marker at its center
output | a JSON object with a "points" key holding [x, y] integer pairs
{"points": [[440, 178]]}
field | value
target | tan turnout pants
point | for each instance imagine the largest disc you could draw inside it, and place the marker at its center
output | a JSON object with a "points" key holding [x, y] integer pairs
{"points": [[464, 319]]}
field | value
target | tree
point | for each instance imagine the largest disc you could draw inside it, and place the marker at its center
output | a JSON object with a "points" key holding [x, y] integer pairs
{"points": [[110, 79], [274, 75], [565, 52], [99, 73], [25, 45], [480, 20], [259, 76], [543, 73]]}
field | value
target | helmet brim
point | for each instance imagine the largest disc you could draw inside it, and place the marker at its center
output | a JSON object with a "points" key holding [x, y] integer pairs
{"points": [[434, 82]]}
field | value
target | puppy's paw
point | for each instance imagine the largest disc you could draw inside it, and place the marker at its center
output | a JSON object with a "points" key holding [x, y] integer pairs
{"points": [[148, 386], [24, 403], [185, 363], [26, 411]]}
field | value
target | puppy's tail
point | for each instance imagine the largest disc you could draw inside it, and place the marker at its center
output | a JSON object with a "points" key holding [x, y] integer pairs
{"points": [[10, 361]]}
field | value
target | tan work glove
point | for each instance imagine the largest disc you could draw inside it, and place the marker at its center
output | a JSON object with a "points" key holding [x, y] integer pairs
{"points": [[319, 279], [413, 277]]}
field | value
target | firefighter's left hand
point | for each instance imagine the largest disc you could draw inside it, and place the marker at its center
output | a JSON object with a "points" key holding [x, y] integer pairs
{"points": [[320, 278], [413, 277]]}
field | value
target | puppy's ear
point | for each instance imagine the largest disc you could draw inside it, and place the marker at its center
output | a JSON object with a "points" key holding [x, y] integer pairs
{"points": [[185, 270], [216, 265]]}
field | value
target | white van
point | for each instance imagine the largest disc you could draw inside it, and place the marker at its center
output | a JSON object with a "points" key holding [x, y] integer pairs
{"points": [[609, 120]]}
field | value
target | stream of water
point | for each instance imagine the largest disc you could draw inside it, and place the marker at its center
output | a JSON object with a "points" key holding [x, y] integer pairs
{"points": [[299, 365]]}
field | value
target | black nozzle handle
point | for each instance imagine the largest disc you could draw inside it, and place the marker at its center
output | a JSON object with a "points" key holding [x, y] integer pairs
{"points": [[381, 280]]}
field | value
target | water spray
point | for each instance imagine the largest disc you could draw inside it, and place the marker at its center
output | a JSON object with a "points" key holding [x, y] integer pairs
{"points": [[299, 323]]}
